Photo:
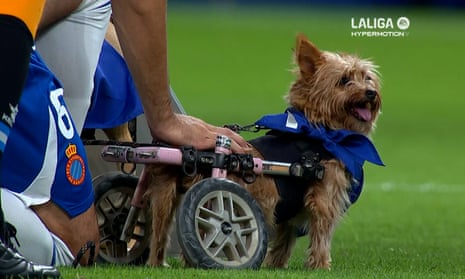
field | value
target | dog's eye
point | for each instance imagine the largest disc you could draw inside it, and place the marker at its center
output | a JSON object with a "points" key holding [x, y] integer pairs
{"points": [[368, 78], [344, 80]]}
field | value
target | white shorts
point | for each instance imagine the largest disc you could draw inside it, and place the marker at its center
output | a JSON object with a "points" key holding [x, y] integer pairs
{"points": [[36, 242], [71, 49]]}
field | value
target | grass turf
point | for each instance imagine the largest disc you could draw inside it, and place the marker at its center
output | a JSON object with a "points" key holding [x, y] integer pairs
{"points": [[231, 64]]}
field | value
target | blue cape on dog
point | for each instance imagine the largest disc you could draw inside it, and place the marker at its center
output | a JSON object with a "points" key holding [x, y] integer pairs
{"points": [[352, 148]]}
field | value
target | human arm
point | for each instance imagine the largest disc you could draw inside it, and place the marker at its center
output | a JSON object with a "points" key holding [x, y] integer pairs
{"points": [[141, 28]]}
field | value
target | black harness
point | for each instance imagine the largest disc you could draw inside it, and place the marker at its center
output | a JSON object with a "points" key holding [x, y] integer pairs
{"points": [[288, 147]]}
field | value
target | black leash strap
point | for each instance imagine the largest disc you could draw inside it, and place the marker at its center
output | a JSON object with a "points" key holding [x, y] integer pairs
{"points": [[247, 128]]}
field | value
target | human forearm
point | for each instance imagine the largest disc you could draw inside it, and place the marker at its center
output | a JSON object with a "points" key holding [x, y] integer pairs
{"points": [[141, 28]]}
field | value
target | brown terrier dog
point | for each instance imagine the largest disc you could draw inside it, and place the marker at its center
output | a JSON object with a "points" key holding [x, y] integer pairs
{"points": [[333, 92]]}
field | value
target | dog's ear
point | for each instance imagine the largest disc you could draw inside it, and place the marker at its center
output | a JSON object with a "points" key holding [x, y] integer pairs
{"points": [[307, 55]]}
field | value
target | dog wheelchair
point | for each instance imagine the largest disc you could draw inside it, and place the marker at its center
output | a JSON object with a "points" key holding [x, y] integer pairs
{"points": [[218, 224]]}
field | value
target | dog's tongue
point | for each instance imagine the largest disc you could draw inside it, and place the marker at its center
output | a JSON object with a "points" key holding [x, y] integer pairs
{"points": [[364, 113]]}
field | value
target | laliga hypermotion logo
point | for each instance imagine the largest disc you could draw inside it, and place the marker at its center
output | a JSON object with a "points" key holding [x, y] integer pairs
{"points": [[75, 167], [403, 23], [379, 26]]}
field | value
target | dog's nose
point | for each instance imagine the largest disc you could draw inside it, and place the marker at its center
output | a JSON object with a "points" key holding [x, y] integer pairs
{"points": [[371, 94]]}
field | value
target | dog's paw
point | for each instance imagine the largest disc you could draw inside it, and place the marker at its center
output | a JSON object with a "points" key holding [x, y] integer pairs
{"points": [[275, 262], [312, 263]]}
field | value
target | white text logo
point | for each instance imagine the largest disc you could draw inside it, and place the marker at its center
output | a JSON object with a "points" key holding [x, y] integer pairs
{"points": [[379, 26]]}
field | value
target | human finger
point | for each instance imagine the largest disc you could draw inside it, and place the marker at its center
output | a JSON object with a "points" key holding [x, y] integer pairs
{"points": [[238, 143]]}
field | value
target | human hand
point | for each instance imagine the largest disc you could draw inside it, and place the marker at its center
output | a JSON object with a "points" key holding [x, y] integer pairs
{"points": [[187, 130]]}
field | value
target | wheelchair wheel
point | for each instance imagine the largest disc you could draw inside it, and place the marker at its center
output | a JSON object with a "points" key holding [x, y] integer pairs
{"points": [[220, 225], [113, 194]]}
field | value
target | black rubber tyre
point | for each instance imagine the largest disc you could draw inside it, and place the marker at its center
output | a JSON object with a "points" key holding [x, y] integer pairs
{"points": [[113, 194], [220, 225]]}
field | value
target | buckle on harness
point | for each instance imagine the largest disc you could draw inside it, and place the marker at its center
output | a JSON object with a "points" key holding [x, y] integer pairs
{"points": [[309, 167]]}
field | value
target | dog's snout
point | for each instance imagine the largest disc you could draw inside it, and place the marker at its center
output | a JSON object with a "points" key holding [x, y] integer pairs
{"points": [[371, 94]]}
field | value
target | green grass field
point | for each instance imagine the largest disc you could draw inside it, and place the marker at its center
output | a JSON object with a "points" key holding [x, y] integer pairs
{"points": [[231, 65]]}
